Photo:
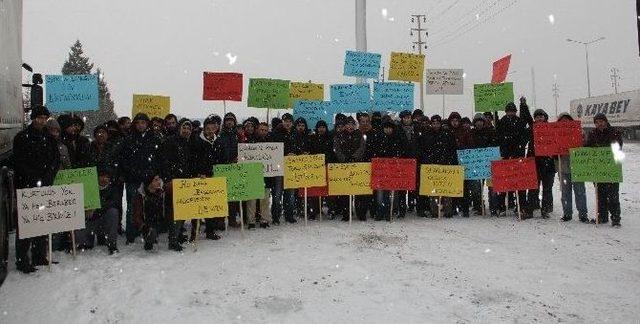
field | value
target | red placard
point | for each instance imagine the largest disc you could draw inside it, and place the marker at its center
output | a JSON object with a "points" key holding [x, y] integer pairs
{"points": [[314, 192], [551, 139], [514, 175], [393, 174], [222, 86], [500, 69]]}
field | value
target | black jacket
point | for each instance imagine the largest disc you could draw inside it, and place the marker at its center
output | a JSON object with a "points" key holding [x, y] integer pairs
{"points": [[206, 154], [35, 157], [322, 144], [79, 150], [349, 147], [605, 137], [176, 160], [484, 137], [138, 156], [229, 140], [438, 147]]}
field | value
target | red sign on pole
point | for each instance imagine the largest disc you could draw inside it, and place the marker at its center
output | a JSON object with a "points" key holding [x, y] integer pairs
{"points": [[514, 175], [500, 69], [222, 86], [393, 174], [552, 139]]}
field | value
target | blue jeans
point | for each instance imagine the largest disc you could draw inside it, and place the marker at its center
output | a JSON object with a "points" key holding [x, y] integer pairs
{"points": [[578, 189], [276, 198], [131, 230], [383, 200]]}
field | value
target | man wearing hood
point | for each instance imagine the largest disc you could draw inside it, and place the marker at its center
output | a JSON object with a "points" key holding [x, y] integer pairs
{"points": [[207, 152], [409, 134], [463, 142], [229, 140], [320, 142], [546, 170], [567, 186], [77, 144], [260, 135], [483, 135], [36, 160], [349, 147], [282, 134], [437, 146], [138, 160], [608, 193], [177, 162], [389, 146], [514, 132]]}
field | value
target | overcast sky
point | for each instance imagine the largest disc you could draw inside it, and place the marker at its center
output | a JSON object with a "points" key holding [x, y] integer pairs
{"points": [[163, 46]]}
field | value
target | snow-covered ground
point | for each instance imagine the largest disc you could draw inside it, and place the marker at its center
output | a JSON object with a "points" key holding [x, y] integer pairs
{"points": [[477, 270]]}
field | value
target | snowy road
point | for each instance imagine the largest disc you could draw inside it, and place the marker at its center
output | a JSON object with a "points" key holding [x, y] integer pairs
{"points": [[478, 270]]}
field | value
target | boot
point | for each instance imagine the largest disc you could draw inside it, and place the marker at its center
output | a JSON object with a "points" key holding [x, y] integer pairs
{"points": [[566, 218], [25, 267]]}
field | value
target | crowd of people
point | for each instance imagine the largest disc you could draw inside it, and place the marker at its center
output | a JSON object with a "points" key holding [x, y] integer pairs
{"points": [[139, 158]]}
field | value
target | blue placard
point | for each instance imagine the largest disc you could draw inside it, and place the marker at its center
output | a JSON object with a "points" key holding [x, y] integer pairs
{"points": [[362, 64], [392, 96], [351, 98], [477, 162], [72, 92], [314, 111]]}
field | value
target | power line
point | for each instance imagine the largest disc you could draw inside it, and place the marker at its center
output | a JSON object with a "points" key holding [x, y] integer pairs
{"points": [[480, 12], [459, 18], [444, 12], [444, 41]]}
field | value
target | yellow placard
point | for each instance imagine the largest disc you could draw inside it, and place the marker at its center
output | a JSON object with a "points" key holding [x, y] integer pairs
{"points": [[200, 198], [441, 180], [406, 67], [305, 91], [304, 171], [349, 179], [153, 106]]}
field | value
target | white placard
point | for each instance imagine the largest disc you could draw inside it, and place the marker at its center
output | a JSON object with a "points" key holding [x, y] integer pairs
{"points": [[270, 154], [46, 210], [444, 81]]}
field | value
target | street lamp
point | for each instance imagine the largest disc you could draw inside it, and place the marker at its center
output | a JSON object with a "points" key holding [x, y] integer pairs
{"points": [[586, 54]]}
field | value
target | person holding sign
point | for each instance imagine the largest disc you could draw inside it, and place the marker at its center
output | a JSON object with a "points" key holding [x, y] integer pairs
{"points": [[36, 161], [569, 187], [438, 146], [608, 193], [321, 142], [349, 146], [176, 163], [298, 144], [77, 144], [389, 146], [546, 175], [261, 135], [483, 135], [138, 160], [462, 136], [281, 133], [513, 136]]}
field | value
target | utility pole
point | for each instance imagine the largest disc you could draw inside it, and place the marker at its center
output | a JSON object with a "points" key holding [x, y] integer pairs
{"points": [[361, 29], [419, 44], [615, 76], [556, 94], [586, 56]]}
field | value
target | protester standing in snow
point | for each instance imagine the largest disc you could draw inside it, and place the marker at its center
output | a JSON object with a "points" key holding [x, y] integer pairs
{"points": [[569, 188]]}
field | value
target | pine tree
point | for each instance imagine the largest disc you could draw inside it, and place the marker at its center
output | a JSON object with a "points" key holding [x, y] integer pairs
{"points": [[77, 63]]}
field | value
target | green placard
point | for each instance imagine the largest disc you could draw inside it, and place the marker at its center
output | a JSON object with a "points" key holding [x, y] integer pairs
{"points": [[88, 177], [594, 164], [268, 93], [492, 97], [245, 181]]}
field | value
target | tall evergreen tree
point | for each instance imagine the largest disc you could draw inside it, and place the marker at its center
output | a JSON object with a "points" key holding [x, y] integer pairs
{"points": [[77, 63]]}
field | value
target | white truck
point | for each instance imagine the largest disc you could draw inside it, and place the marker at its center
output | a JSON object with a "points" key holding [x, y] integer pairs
{"points": [[11, 110], [622, 110]]}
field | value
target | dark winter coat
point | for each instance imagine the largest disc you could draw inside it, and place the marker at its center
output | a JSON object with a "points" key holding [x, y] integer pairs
{"points": [[544, 164], [299, 143], [513, 136], [206, 154], [408, 136], [462, 136], [390, 146], [438, 147], [281, 135], [103, 157], [484, 137], [349, 147], [138, 156], [79, 150], [229, 141], [604, 138], [35, 157], [322, 144], [177, 161]]}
